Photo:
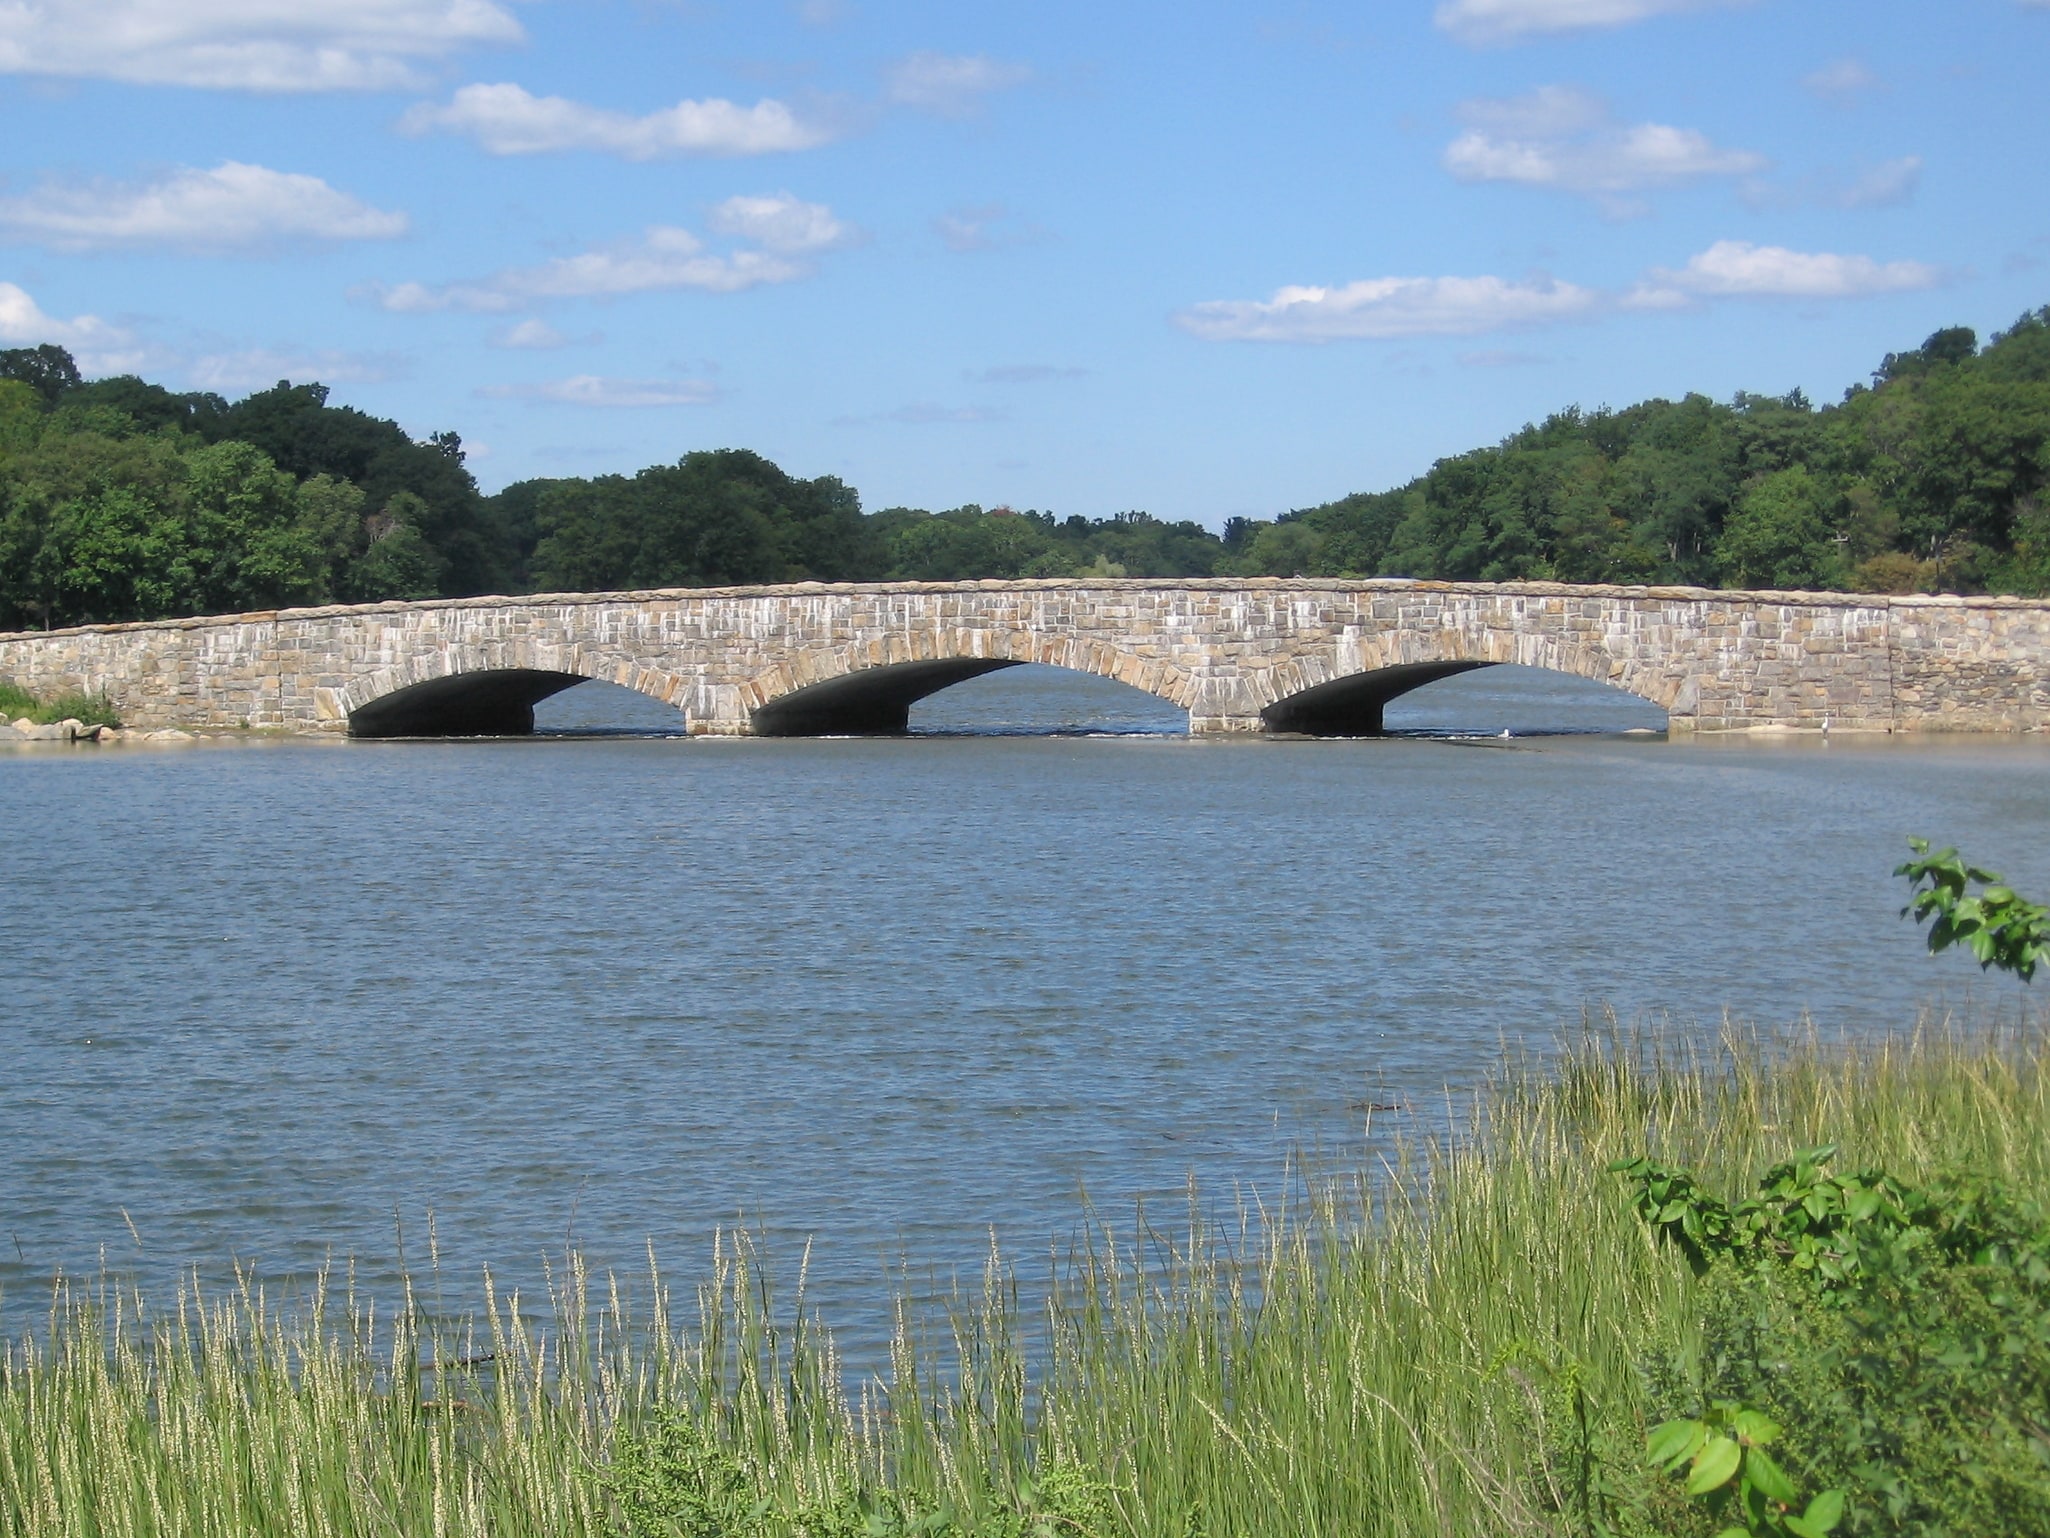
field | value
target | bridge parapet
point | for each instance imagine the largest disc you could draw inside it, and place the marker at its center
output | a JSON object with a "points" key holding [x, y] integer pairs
{"points": [[1238, 654]]}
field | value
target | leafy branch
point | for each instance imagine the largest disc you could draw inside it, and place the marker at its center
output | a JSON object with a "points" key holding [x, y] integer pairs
{"points": [[1723, 1459], [2001, 928]]}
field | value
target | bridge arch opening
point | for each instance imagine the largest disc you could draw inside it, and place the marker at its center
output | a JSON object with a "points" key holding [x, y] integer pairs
{"points": [[871, 690], [1040, 700], [867, 702], [491, 702], [1463, 697]]}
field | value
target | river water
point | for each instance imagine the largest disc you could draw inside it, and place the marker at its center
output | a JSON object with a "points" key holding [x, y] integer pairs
{"points": [[285, 1002]]}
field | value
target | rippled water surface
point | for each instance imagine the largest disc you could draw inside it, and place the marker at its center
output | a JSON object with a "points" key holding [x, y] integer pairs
{"points": [[272, 1001]]}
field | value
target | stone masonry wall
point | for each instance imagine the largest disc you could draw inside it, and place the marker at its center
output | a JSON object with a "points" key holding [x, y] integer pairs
{"points": [[1224, 649]]}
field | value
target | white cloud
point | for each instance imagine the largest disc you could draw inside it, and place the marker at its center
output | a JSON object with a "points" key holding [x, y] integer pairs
{"points": [[1565, 139], [233, 206], [254, 367], [779, 222], [248, 45], [663, 257], [596, 390], [1511, 21], [507, 120], [1389, 307], [1840, 80], [1738, 269], [953, 85], [532, 334], [97, 346]]}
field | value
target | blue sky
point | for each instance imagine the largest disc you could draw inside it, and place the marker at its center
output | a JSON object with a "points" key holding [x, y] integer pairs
{"points": [[1203, 260]]}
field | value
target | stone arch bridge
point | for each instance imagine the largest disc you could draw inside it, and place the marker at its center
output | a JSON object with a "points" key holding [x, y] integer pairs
{"points": [[1240, 655]]}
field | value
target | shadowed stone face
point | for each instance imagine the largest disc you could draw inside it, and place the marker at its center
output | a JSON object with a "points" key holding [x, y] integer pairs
{"points": [[1251, 655]]}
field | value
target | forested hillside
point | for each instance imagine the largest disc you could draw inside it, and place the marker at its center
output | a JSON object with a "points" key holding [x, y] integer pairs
{"points": [[120, 499], [1931, 478]]}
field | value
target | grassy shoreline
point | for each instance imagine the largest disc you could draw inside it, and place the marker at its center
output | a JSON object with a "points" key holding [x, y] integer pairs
{"points": [[17, 704], [1454, 1343]]}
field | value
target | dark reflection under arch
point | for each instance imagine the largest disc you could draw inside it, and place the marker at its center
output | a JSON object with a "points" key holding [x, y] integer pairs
{"points": [[868, 702], [1352, 706], [495, 703]]}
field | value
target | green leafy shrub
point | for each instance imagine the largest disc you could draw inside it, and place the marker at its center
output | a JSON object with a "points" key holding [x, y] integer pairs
{"points": [[1899, 1335], [1723, 1458]]}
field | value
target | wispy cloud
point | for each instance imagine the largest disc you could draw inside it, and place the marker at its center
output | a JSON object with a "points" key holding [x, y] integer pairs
{"points": [[1732, 269], [98, 345], [248, 368], [1841, 81], [952, 85], [530, 335], [1025, 373], [924, 414], [985, 227], [1488, 22], [782, 223], [786, 232], [283, 46], [506, 119], [1886, 185], [1389, 307], [601, 391], [1502, 358], [1565, 139], [233, 207]]}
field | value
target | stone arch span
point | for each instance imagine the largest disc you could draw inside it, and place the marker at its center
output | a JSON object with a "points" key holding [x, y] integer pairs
{"points": [[870, 689], [482, 692], [1344, 692]]}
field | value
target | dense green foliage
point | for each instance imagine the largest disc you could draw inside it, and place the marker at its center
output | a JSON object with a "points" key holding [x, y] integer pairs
{"points": [[122, 500], [1936, 476], [1898, 1335]]}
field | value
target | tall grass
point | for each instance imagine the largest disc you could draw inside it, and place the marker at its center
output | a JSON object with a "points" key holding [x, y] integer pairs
{"points": [[1448, 1343]]}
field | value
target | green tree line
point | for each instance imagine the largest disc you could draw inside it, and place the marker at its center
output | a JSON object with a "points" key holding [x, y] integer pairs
{"points": [[121, 499], [1931, 478]]}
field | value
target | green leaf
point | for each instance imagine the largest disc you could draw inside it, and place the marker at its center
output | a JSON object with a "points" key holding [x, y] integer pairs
{"points": [[1825, 1511], [1754, 1426], [1715, 1465], [1769, 1479], [1673, 1443]]}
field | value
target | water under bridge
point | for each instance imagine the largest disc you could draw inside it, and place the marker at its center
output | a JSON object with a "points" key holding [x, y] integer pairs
{"points": [[1239, 654]]}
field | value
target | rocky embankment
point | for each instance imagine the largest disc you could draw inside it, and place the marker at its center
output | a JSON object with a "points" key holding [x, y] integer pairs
{"points": [[71, 729]]}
